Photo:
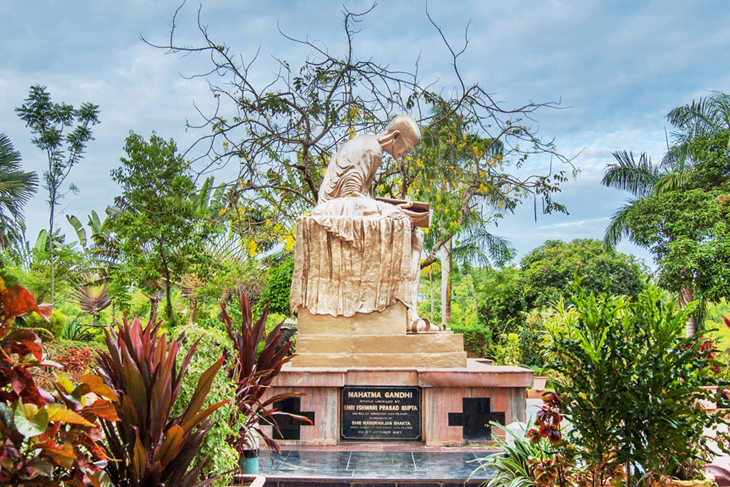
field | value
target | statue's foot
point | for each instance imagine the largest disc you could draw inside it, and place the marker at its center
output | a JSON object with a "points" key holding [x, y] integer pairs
{"points": [[423, 325]]}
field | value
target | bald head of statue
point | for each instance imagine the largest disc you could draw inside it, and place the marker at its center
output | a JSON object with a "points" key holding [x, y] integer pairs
{"points": [[401, 136]]}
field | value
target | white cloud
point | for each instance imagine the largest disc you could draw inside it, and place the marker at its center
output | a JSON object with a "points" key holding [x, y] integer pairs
{"points": [[619, 66]]}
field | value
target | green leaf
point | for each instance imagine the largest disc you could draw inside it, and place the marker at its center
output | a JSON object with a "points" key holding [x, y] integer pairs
{"points": [[30, 420]]}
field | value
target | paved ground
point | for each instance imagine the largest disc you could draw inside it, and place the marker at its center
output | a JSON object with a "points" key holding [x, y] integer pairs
{"points": [[394, 461], [393, 465]]}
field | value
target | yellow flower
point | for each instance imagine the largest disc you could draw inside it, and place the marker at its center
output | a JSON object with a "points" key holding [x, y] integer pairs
{"points": [[252, 248], [289, 244]]}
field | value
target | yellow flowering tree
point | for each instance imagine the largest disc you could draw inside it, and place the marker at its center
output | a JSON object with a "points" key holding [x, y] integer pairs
{"points": [[280, 134]]}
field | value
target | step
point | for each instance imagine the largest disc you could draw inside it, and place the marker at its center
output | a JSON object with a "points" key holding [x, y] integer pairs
{"points": [[358, 359], [415, 343]]}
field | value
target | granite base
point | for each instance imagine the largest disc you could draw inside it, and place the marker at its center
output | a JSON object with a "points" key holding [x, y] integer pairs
{"points": [[445, 392]]}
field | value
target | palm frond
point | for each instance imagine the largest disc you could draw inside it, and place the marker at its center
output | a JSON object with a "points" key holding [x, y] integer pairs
{"points": [[708, 114], [636, 177], [618, 228], [673, 181], [92, 298], [479, 247], [16, 189]]}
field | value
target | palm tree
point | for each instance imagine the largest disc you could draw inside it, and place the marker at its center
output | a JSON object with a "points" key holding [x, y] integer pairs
{"points": [[642, 178], [16, 189], [93, 296]]}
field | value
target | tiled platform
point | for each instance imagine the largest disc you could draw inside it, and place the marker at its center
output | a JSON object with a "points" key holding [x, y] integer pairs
{"points": [[351, 467]]}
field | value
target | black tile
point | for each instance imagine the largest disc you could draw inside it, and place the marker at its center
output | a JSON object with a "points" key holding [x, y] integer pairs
{"points": [[311, 483], [270, 461], [476, 417], [381, 460]]}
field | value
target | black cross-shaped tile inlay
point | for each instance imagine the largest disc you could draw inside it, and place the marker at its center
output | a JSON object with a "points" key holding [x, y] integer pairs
{"points": [[289, 426], [475, 418]]}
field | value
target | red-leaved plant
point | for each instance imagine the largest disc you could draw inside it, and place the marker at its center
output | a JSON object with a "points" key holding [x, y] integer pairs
{"points": [[42, 434], [257, 360], [150, 447]]}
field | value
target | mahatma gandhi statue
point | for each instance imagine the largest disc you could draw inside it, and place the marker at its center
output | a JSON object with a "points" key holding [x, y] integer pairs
{"points": [[355, 253]]}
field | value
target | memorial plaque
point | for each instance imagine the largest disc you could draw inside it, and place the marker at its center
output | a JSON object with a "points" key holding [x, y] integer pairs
{"points": [[380, 413]]}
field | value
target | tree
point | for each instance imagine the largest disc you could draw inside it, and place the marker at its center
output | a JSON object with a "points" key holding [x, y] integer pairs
{"points": [[158, 232], [678, 210], [47, 122], [549, 271], [16, 189], [456, 173], [282, 132]]}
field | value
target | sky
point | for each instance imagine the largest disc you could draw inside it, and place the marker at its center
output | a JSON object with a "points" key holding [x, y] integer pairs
{"points": [[616, 67]]}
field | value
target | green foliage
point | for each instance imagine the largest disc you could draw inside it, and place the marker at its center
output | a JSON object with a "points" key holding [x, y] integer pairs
{"points": [[511, 466], [47, 122], [141, 365], [631, 383], [215, 451], [478, 339], [55, 324], [715, 325], [278, 287], [549, 270], [509, 351], [690, 246], [75, 331], [160, 234], [680, 211]]}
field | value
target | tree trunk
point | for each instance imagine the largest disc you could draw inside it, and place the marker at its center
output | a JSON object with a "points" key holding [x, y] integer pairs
{"points": [[430, 280], [168, 285], [192, 309], [446, 283], [154, 303], [168, 300], [686, 296], [50, 242]]}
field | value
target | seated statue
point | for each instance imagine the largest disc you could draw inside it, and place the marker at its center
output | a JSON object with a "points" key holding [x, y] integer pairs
{"points": [[356, 254]]}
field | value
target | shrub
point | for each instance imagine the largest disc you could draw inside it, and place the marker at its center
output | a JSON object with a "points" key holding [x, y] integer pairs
{"points": [[46, 440], [256, 361], [477, 338], [211, 342], [632, 383], [278, 288], [153, 447], [55, 324], [76, 359], [508, 352]]}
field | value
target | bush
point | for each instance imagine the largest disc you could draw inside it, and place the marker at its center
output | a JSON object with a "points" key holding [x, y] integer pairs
{"points": [[54, 325], [213, 342], [632, 383], [477, 339], [278, 289], [508, 352]]}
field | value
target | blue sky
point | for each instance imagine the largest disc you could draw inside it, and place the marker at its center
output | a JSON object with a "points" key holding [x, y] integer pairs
{"points": [[616, 66]]}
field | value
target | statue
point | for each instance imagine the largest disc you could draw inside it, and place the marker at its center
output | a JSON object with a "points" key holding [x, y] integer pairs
{"points": [[355, 253]]}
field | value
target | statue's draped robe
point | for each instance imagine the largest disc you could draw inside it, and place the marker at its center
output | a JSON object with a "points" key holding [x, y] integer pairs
{"points": [[353, 254]]}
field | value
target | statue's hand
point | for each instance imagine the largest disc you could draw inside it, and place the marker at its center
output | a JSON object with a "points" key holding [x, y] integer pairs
{"points": [[407, 204]]}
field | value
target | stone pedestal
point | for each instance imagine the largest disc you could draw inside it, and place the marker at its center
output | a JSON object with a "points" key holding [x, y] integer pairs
{"points": [[455, 404], [377, 339]]}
